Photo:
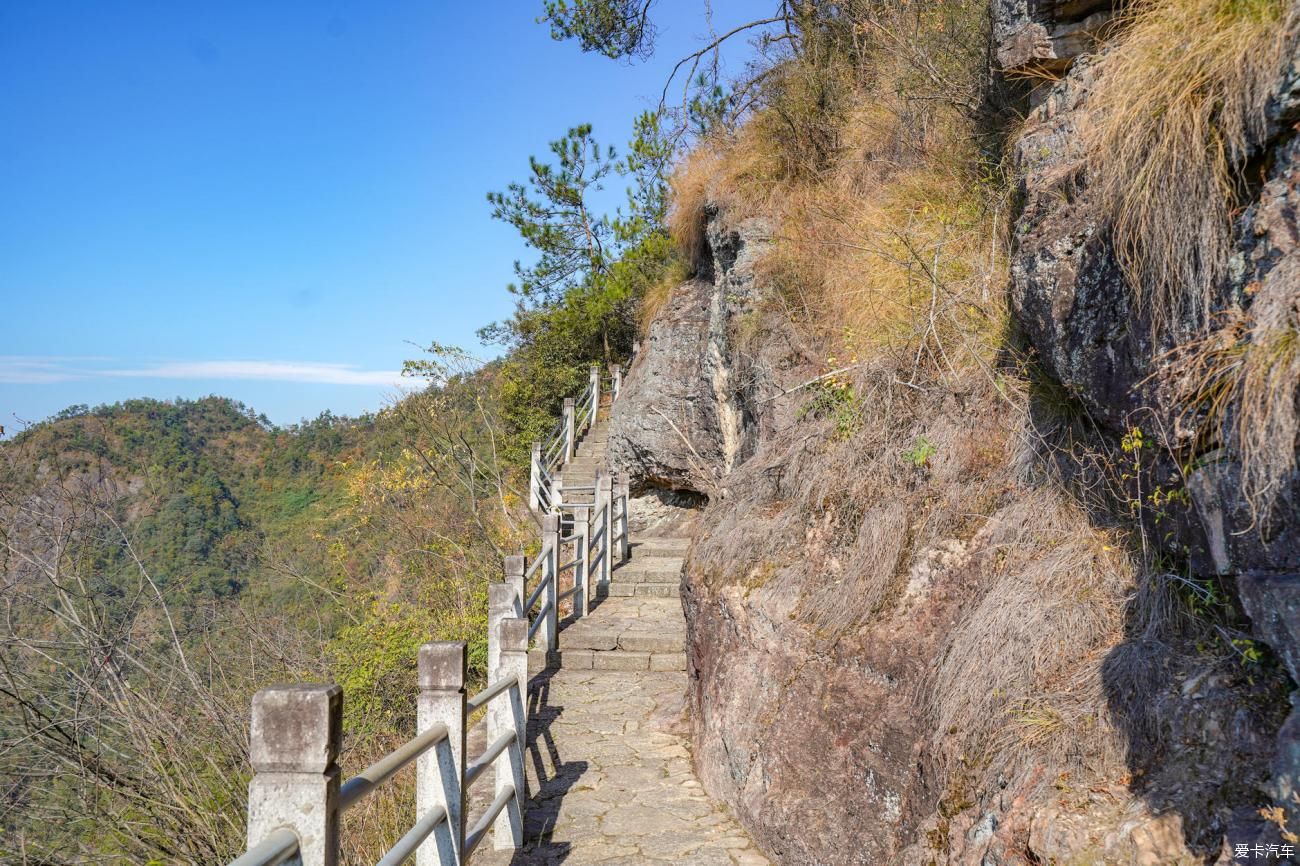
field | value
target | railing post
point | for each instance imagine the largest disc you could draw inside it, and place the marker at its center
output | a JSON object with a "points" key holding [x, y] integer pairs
{"points": [[595, 391], [604, 523], [535, 477], [624, 497], [512, 642], [581, 573], [548, 633], [570, 439], [294, 746], [503, 604], [438, 774], [557, 494], [636, 348], [616, 380], [514, 578]]}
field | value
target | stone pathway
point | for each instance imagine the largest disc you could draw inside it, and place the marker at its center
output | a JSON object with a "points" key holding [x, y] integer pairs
{"points": [[609, 763]]}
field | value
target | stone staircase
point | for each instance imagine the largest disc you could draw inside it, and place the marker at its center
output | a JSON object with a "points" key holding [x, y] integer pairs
{"points": [[608, 757], [637, 622]]}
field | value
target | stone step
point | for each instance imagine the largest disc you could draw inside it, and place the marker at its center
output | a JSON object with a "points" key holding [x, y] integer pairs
{"points": [[644, 590], [642, 546], [574, 638], [616, 660], [657, 564], [629, 575]]}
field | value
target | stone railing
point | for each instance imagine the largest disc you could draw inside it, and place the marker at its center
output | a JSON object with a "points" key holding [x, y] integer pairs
{"points": [[295, 799], [591, 535], [560, 445]]}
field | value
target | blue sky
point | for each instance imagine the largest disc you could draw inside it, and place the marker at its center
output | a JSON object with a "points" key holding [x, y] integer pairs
{"points": [[274, 201]]}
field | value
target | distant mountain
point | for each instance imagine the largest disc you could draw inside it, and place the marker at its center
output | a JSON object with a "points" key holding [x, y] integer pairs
{"points": [[197, 486]]}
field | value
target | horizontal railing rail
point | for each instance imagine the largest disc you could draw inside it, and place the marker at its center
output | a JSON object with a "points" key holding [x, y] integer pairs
{"points": [[278, 847], [408, 846], [480, 699], [356, 788]]}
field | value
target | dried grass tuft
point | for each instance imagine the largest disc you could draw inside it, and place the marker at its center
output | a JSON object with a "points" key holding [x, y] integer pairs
{"points": [[1014, 689], [1178, 108], [691, 185], [1268, 384], [1245, 377]]}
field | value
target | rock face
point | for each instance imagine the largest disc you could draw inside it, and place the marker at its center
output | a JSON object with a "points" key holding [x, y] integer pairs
{"points": [[1074, 304], [850, 613], [685, 420], [1046, 34]]}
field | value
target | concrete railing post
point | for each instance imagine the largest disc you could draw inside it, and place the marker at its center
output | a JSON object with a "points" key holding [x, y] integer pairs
{"points": [[604, 523], [535, 478], [625, 500], [581, 571], [502, 603], [514, 578], [616, 380], [438, 773], [508, 715], [636, 348], [548, 633], [557, 494], [570, 436], [294, 746], [595, 391]]}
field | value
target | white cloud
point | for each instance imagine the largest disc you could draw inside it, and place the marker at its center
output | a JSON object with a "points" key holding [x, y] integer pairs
{"points": [[271, 371], [26, 370], [33, 370]]}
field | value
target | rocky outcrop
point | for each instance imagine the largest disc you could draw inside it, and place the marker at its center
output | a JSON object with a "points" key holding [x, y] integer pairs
{"points": [[827, 583], [852, 614], [1046, 35], [1077, 311], [685, 418]]}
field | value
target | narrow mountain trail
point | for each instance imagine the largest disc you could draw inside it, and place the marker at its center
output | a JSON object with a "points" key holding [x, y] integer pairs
{"points": [[608, 755]]}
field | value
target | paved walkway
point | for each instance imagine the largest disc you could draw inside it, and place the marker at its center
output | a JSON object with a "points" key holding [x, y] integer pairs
{"points": [[609, 761]]}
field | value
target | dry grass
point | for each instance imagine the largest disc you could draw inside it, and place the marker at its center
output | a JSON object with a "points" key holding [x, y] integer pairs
{"points": [[1178, 108], [1243, 378], [654, 299], [902, 265], [1014, 688], [691, 185], [1268, 419], [889, 242]]}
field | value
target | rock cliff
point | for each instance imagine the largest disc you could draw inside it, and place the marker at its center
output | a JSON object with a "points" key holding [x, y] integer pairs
{"points": [[912, 641], [1071, 298]]}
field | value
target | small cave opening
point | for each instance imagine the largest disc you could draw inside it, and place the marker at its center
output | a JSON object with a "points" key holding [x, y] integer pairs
{"points": [[657, 510]]}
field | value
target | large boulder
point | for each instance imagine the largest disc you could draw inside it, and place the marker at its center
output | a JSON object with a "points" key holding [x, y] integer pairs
{"points": [[682, 421]]}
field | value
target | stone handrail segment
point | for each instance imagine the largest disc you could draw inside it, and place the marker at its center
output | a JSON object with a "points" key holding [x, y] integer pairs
{"points": [[409, 845], [356, 788], [275, 849]]}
